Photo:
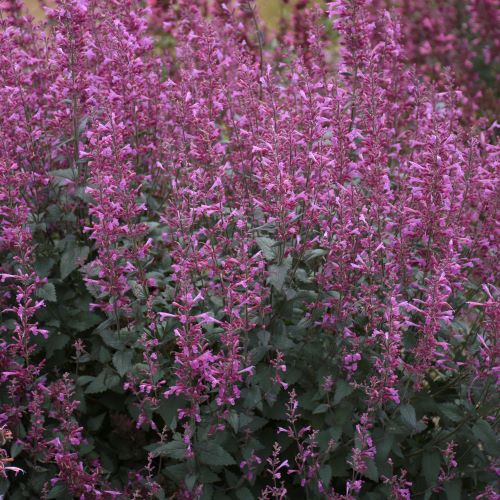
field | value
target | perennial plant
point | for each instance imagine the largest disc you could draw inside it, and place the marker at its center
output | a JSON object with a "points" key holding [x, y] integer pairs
{"points": [[245, 263]]}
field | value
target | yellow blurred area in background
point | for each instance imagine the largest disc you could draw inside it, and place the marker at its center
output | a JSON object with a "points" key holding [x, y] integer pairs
{"points": [[34, 8], [270, 10]]}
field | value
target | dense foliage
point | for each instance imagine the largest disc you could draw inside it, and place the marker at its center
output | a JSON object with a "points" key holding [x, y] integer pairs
{"points": [[241, 264]]}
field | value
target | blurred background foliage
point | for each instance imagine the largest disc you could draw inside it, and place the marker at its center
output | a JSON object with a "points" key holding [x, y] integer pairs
{"points": [[270, 10]]}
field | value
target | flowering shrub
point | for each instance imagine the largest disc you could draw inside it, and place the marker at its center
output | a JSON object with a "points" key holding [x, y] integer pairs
{"points": [[245, 266]]}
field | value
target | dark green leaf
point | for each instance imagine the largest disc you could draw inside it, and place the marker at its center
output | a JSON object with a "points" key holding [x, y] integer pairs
{"points": [[104, 381], [47, 292], [73, 257], [408, 415], [58, 491], [211, 453], [267, 246], [453, 489], [177, 472], [372, 470], [342, 389], [174, 449], [277, 274], [483, 431], [122, 361], [322, 408], [451, 412], [431, 463]]}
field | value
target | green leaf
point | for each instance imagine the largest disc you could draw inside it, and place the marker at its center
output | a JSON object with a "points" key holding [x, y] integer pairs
{"points": [[174, 449], [15, 449], [58, 491], [483, 431], [371, 470], [73, 257], [168, 409], [342, 389], [264, 336], [325, 474], [47, 292], [315, 253], [322, 408], [177, 472], [431, 463], [267, 246], [384, 446], [55, 342], [244, 494], [190, 481], [122, 361], [84, 379], [208, 476], [116, 340], [104, 381], [43, 266], [451, 411], [453, 489], [64, 173], [95, 423], [277, 274], [85, 320], [408, 415], [137, 290], [233, 420], [211, 453]]}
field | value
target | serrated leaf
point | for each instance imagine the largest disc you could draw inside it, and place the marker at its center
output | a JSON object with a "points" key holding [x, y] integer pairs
{"points": [[322, 408], [15, 449], [73, 257], [431, 464], [137, 290], [233, 420], [264, 336], [325, 474], [174, 449], [103, 382], [371, 470], [190, 481], [384, 446], [483, 431], [56, 342], [47, 292], [122, 361], [93, 289], [116, 340], [408, 415], [64, 173], [168, 409], [267, 246], [208, 476], [177, 472], [58, 491], [95, 423], [85, 379], [278, 274], [211, 453], [451, 411], [43, 266], [313, 254], [244, 494], [453, 489], [85, 320], [342, 389]]}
